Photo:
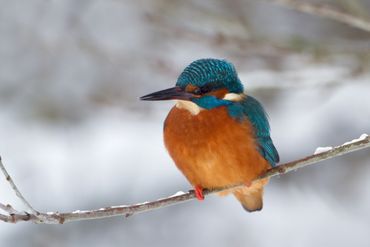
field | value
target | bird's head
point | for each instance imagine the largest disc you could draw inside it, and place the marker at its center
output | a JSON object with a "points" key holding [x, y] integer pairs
{"points": [[207, 83]]}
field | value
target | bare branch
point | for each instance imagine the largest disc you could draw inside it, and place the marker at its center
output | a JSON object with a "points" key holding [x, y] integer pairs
{"points": [[8, 208], [326, 11], [128, 210], [15, 189]]}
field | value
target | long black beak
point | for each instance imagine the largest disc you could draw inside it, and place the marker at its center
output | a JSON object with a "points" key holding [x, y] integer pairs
{"points": [[167, 94]]}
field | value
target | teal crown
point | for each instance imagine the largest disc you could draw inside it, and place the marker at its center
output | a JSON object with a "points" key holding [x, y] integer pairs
{"points": [[214, 72]]}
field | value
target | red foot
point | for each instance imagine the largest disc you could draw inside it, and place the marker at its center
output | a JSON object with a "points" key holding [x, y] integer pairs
{"points": [[199, 193]]}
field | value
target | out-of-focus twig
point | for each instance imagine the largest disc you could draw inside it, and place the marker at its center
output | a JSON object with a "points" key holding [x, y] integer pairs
{"points": [[326, 11], [128, 210], [8, 208], [16, 190]]}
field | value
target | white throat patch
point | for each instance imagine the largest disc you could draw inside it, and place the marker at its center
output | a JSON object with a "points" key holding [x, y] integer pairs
{"points": [[234, 97], [193, 108]]}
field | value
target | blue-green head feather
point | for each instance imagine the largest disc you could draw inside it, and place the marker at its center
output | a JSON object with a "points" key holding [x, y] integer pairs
{"points": [[212, 73]]}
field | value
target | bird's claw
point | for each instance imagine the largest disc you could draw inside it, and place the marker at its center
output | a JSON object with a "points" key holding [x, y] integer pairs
{"points": [[199, 193]]}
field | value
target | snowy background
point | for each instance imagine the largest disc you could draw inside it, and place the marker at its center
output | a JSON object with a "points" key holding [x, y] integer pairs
{"points": [[74, 135]]}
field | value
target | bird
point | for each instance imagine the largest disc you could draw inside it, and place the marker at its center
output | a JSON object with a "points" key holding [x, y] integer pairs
{"points": [[216, 134]]}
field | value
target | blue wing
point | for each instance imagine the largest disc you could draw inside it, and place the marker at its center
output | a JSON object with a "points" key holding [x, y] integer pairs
{"points": [[255, 113]]}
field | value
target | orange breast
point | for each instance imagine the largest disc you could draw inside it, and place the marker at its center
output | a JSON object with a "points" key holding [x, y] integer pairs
{"points": [[211, 148]]}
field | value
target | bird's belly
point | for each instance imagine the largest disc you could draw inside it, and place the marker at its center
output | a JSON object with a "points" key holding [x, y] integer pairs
{"points": [[211, 148]]}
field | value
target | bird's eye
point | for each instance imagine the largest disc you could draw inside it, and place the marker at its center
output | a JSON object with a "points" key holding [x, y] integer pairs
{"points": [[206, 89], [197, 91], [202, 90]]}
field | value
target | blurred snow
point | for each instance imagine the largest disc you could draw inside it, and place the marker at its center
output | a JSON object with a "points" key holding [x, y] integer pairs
{"points": [[320, 150], [74, 135], [361, 138]]}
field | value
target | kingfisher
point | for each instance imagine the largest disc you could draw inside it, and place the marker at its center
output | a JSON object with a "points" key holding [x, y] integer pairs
{"points": [[216, 134]]}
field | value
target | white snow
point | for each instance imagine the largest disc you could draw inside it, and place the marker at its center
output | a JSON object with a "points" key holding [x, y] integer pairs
{"points": [[320, 150], [362, 137], [79, 211], [119, 206], [178, 193], [325, 149]]}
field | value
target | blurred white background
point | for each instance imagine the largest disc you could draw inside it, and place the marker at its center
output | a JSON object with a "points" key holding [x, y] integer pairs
{"points": [[74, 135]]}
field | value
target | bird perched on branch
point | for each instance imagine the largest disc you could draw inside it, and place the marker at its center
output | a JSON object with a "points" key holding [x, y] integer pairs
{"points": [[216, 134]]}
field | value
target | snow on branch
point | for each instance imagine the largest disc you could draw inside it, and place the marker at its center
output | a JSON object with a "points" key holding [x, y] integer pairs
{"points": [[12, 215], [326, 11]]}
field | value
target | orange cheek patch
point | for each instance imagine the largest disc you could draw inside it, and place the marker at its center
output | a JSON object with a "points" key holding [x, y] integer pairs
{"points": [[190, 88], [220, 93]]}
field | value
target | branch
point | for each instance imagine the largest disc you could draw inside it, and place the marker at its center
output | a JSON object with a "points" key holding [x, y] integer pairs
{"points": [[14, 216], [326, 11], [15, 189]]}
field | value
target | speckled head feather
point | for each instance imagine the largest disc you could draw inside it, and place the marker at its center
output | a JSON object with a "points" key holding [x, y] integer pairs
{"points": [[220, 73]]}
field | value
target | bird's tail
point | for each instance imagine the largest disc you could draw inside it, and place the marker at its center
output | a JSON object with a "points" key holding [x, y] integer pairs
{"points": [[251, 197]]}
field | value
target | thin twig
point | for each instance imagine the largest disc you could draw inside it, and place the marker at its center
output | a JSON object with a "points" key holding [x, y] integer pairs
{"points": [[8, 208], [16, 190], [129, 210], [326, 11]]}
